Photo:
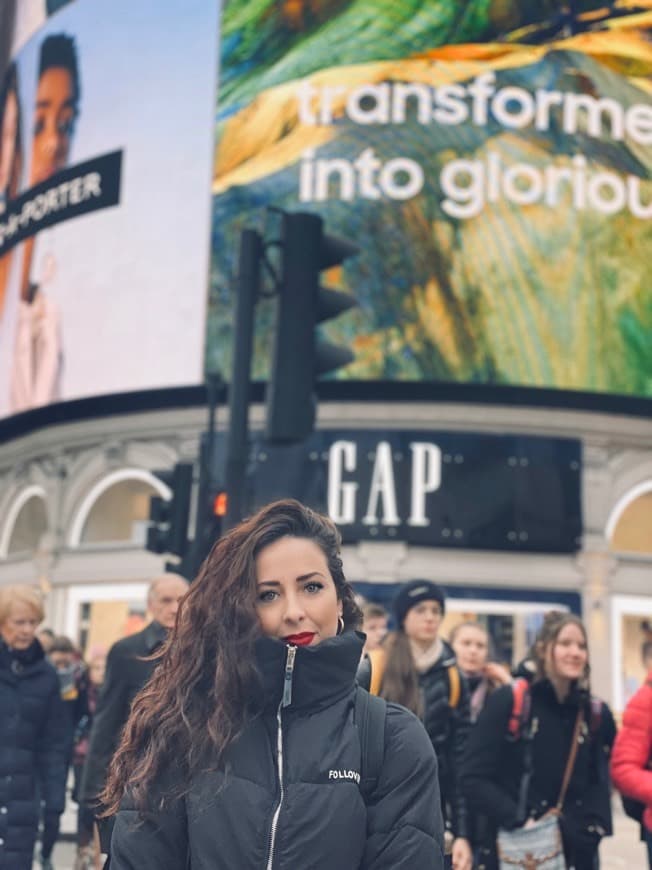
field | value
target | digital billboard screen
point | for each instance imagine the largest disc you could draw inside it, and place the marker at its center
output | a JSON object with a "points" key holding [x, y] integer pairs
{"points": [[492, 161], [107, 140]]}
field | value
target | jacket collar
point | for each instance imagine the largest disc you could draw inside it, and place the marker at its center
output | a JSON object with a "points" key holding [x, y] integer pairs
{"points": [[546, 691], [154, 635], [17, 662], [445, 660], [320, 674]]}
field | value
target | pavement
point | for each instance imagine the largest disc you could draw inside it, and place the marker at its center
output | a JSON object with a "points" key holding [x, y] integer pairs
{"points": [[622, 850]]}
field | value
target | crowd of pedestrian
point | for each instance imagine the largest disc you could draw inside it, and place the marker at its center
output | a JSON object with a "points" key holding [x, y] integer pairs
{"points": [[236, 729]]}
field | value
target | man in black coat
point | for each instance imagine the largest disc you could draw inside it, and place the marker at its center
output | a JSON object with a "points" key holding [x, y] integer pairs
{"points": [[126, 674]]}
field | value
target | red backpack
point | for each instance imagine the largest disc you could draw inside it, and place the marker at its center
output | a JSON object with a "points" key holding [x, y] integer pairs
{"points": [[522, 707]]}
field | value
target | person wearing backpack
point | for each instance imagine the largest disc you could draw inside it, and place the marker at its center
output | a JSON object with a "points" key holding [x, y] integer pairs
{"points": [[250, 746], [471, 644], [630, 761], [540, 750], [420, 673]]}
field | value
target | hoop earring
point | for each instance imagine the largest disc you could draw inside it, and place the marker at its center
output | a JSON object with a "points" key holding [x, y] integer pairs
{"points": [[340, 625]]}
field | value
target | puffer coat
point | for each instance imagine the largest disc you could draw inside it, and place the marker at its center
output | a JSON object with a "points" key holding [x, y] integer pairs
{"points": [[630, 762], [448, 728], [291, 796], [33, 745]]}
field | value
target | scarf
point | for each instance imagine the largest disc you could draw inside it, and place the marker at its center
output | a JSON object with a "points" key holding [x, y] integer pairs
{"points": [[478, 689], [425, 659]]}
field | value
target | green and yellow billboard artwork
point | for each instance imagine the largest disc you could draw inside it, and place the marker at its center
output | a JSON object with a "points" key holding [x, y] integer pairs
{"points": [[491, 158]]}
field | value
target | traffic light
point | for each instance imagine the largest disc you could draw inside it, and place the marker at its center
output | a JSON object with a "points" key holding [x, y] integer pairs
{"points": [[299, 355], [212, 522], [220, 505], [168, 518]]}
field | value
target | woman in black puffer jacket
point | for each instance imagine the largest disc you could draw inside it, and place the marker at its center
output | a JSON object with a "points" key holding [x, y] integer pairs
{"points": [[32, 729], [421, 674], [495, 760], [243, 751]]}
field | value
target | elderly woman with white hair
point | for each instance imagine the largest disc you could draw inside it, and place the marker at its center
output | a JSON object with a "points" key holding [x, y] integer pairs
{"points": [[32, 728]]}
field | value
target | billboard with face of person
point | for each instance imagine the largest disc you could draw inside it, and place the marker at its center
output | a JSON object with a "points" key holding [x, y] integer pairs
{"points": [[492, 161], [106, 144]]}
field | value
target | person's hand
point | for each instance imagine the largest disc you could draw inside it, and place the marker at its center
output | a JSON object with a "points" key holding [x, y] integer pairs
{"points": [[530, 823], [462, 855], [497, 674]]}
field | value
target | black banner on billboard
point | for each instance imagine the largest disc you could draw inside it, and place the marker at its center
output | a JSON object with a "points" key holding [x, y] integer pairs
{"points": [[80, 189], [443, 489]]}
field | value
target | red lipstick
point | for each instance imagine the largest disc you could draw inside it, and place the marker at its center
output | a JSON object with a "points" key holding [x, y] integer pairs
{"points": [[303, 639]]}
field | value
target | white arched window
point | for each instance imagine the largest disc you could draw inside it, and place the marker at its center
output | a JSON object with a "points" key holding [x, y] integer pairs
{"points": [[116, 509], [27, 520], [629, 529]]}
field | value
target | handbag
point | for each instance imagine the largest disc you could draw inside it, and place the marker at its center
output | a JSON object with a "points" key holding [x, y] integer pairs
{"points": [[538, 846]]}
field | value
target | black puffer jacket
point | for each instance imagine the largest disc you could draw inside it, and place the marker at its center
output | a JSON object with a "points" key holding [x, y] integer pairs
{"points": [[33, 742], [313, 815], [493, 768], [448, 729]]}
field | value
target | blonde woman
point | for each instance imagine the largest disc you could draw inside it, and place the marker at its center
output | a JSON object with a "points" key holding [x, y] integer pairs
{"points": [[33, 735]]}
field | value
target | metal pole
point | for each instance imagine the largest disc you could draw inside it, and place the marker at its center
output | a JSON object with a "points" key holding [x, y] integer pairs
{"points": [[201, 544], [248, 285]]}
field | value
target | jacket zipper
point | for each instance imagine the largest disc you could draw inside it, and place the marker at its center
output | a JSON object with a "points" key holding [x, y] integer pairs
{"points": [[286, 700]]}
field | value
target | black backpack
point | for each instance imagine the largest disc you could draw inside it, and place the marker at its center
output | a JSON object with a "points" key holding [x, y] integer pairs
{"points": [[369, 716]]}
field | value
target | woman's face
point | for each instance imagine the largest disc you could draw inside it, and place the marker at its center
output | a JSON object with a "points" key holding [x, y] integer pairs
{"points": [[19, 627], [8, 138], [54, 117], [296, 599], [421, 623], [471, 648], [568, 655]]}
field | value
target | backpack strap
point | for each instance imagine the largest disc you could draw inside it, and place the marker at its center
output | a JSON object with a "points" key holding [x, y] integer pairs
{"points": [[363, 674], [521, 704], [519, 727], [454, 686], [369, 716], [377, 660]]}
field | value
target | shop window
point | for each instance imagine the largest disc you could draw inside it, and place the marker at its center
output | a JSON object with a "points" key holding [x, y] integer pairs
{"points": [[102, 623], [30, 524], [632, 532], [636, 634], [119, 514]]}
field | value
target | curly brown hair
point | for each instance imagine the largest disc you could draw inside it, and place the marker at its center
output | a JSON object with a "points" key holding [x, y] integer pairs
{"points": [[199, 697]]}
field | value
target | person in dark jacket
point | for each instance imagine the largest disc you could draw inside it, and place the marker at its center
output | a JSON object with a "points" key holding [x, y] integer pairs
{"points": [[32, 729], [494, 763], [73, 686], [471, 644], [243, 751], [86, 845], [420, 673], [128, 669]]}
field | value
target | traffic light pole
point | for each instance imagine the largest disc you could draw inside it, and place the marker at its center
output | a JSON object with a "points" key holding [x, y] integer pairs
{"points": [[202, 542], [237, 451]]}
